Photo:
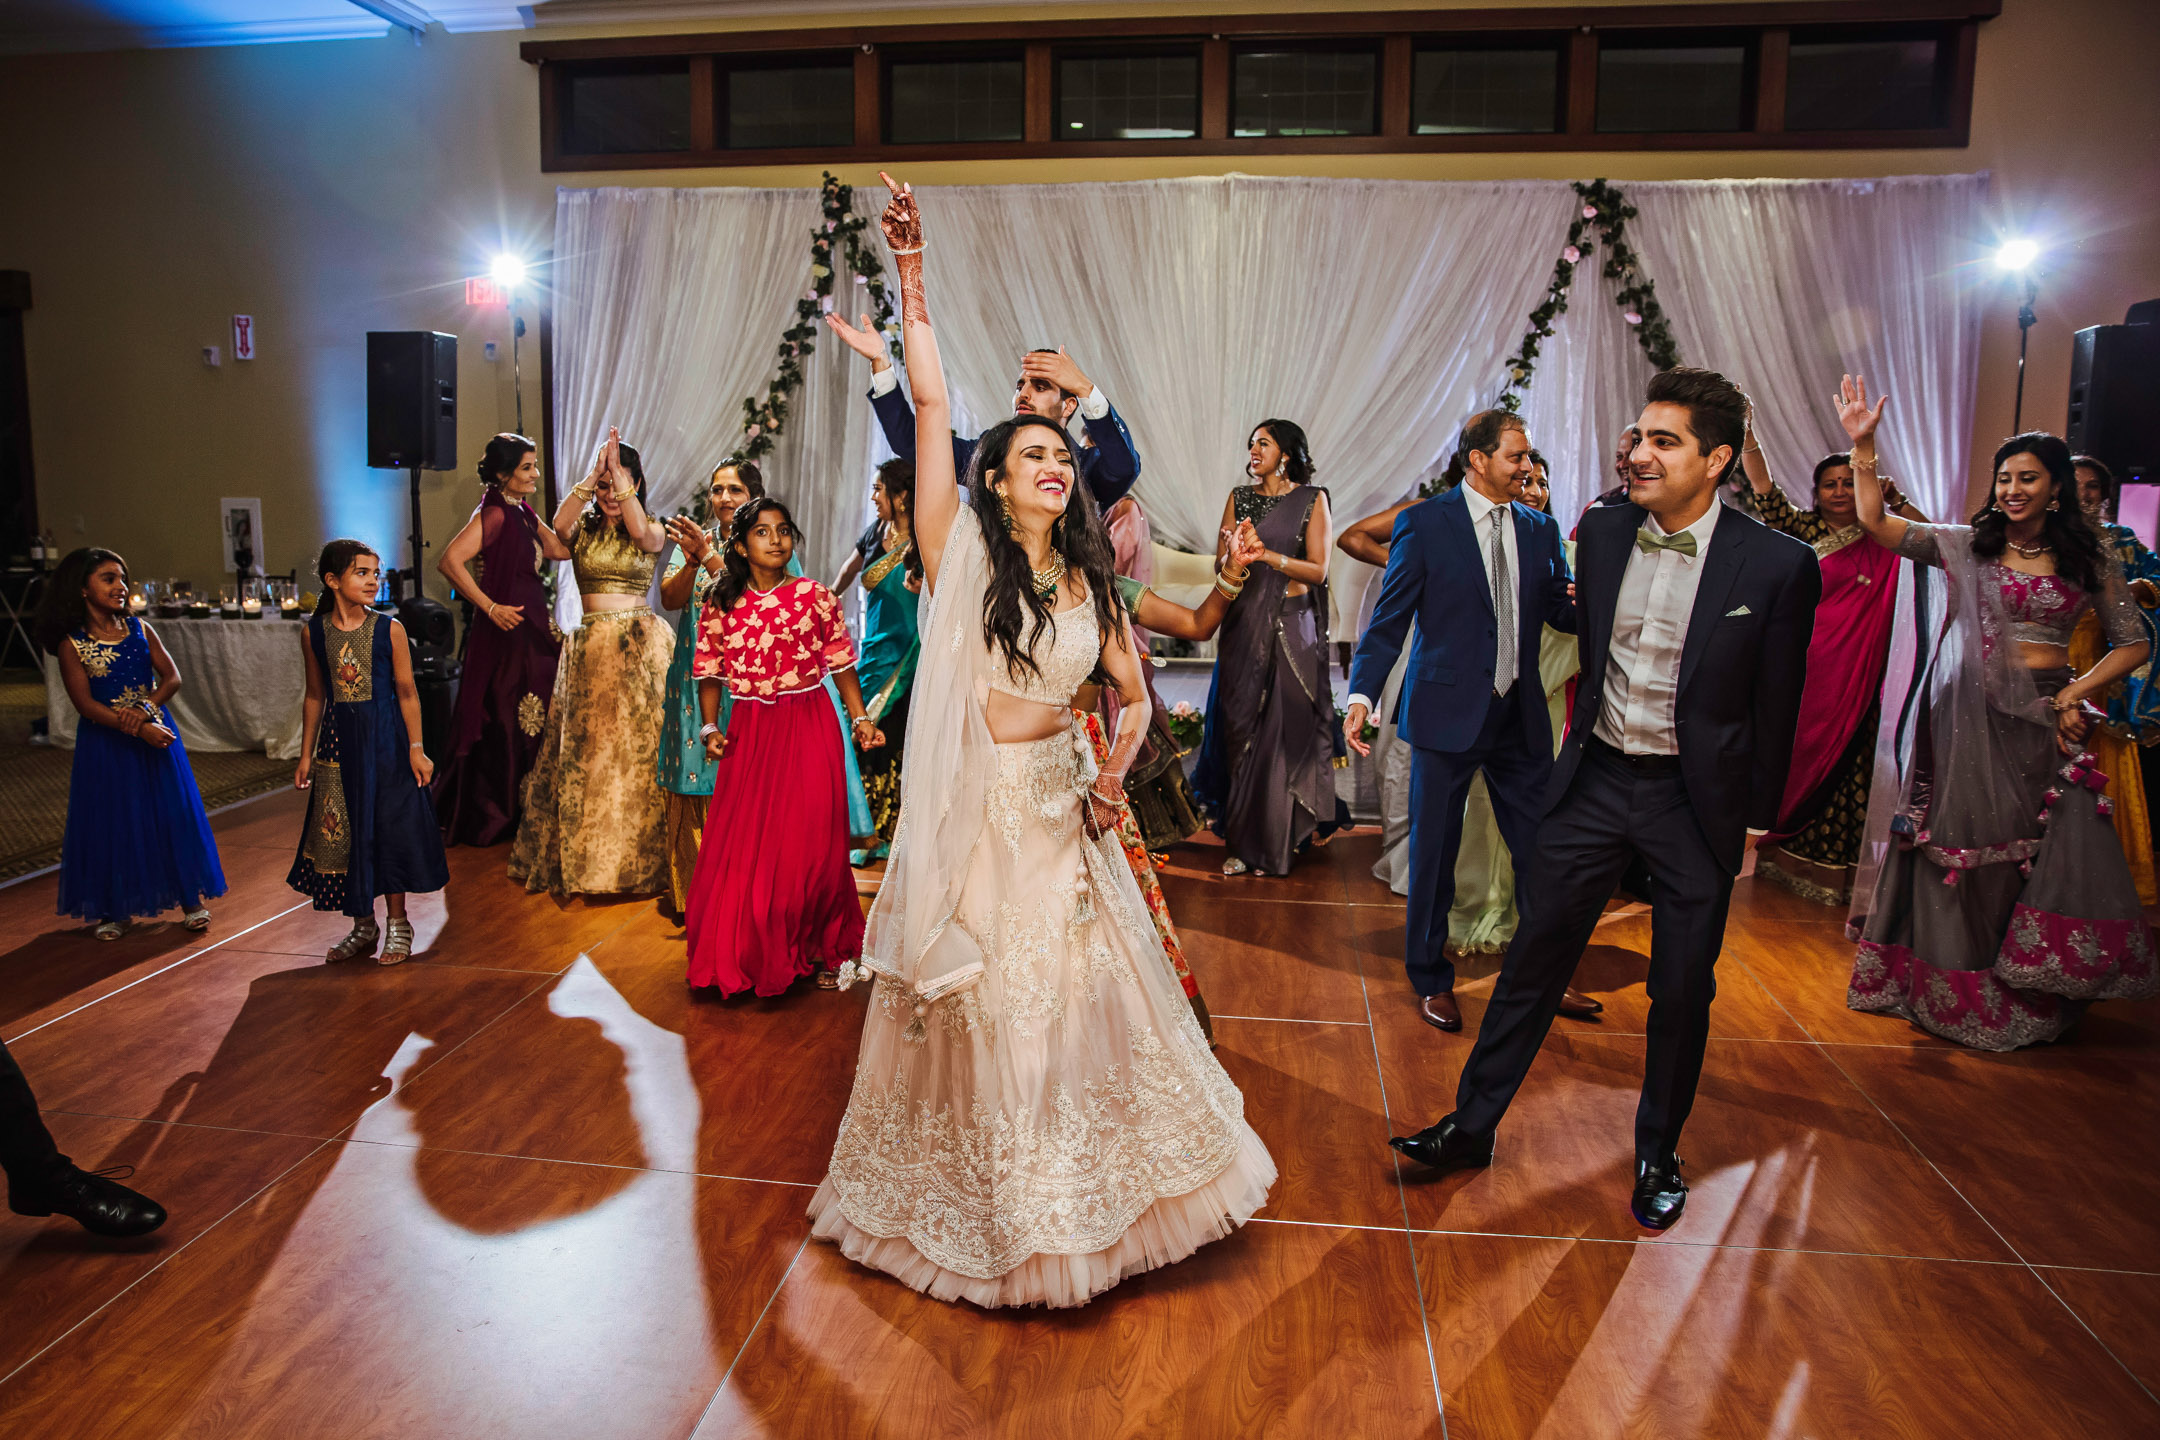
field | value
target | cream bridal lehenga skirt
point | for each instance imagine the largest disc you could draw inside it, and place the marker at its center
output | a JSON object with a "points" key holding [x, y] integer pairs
{"points": [[1060, 1124]]}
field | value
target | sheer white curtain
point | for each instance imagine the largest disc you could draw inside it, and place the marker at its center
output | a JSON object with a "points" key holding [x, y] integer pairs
{"points": [[1374, 313], [1785, 285]]}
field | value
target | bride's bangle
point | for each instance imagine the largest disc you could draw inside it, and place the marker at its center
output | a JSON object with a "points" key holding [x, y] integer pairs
{"points": [[917, 250]]}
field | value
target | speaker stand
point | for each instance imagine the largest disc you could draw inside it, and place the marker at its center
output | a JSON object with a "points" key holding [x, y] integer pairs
{"points": [[418, 544]]}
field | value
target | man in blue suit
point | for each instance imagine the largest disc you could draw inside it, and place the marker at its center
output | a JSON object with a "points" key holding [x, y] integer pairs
{"points": [[1482, 577], [1050, 385]]}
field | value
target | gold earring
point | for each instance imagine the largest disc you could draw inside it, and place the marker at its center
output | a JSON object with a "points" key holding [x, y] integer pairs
{"points": [[1005, 508]]}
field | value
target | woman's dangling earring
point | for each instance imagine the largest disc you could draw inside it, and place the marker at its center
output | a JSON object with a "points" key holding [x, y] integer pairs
{"points": [[1005, 509]]}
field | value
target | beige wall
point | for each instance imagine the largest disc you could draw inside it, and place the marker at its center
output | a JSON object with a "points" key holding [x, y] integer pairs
{"points": [[329, 189]]}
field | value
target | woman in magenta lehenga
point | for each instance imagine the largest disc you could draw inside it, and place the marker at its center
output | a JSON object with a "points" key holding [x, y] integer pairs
{"points": [[1036, 1114], [511, 648], [1993, 902], [1817, 838]]}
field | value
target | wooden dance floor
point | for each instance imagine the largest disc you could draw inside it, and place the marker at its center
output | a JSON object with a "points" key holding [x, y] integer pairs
{"points": [[525, 1187]]}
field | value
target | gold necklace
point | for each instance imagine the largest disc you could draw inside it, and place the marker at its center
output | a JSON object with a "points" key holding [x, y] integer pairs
{"points": [[1050, 577], [2031, 552]]}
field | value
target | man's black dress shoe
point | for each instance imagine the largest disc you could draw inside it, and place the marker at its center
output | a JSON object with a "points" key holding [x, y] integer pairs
{"points": [[1440, 1012], [1660, 1194], [100, 1205], [1578, 1006], [1444, 1147]]}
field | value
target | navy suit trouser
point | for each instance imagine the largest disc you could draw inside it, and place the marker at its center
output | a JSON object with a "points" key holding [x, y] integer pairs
{"points": [[1515, 778]]}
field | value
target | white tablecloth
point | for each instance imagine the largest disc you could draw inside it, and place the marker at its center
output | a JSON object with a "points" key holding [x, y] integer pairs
{"points": [[241, 685]]}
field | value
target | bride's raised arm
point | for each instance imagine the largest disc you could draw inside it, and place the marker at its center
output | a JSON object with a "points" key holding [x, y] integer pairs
{"points": [[937, 488]]}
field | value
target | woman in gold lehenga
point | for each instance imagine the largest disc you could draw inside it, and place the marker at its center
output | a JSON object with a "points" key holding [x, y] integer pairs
{"points": [[1036, 1113], [595, 819]]}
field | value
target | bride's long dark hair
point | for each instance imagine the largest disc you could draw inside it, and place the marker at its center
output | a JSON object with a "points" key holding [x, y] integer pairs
{"points": [[1078, 535], [2077, 548]]}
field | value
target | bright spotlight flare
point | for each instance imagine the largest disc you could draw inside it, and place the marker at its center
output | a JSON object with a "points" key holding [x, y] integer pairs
{"points": [[2014, 255], [507, 271]]}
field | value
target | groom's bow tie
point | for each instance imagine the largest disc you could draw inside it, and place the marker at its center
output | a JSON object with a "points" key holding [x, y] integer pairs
{"points": [[1647, 540]]}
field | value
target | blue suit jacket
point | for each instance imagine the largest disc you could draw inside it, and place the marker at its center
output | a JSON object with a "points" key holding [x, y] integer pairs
{"points": [[1109, 466], [1436, 576]]}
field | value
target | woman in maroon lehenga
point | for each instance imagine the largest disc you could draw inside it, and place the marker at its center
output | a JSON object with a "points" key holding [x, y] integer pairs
{"points": [[510, 649]]}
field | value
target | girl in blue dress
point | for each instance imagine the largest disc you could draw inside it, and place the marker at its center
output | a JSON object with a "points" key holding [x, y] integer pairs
{"points": [[891, 574], [137, 839], [371, 829]]}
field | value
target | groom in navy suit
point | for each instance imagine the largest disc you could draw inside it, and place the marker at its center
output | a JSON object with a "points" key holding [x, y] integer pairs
{"points": [[1482, 576]]}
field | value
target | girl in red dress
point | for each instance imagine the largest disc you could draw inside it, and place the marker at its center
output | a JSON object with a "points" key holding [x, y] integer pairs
{"points": [[772, 898]]}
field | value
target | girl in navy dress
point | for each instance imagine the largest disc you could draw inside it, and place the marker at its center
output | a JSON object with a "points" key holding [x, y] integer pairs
{"points": [[371, 828], [137, 840]]}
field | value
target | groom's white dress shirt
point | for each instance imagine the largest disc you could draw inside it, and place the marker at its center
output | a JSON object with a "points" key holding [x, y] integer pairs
{"points": [[1650, 625]]}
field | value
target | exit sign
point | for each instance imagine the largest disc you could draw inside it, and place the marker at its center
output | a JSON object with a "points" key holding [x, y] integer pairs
{"points": [[480, 290]]}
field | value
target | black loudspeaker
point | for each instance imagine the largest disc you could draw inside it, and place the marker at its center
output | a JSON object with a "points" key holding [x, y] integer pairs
{"points": [[411, 400], [2115, 398]]}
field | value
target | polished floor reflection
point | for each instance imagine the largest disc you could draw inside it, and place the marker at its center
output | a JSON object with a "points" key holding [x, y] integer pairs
{"points": [[528, 1186]]}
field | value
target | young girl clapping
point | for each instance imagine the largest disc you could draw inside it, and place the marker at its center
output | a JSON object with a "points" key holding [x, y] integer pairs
{"points": [[371, 828]]}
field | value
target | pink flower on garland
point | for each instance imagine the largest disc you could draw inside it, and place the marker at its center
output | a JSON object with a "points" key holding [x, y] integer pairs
{"points": [[1571, 254], [1632, 318], [753, 431], [1589, 212]]}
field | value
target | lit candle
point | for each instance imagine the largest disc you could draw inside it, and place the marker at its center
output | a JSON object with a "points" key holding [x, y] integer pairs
{"points": [[250, 608], [138, 603], [288, 604]]}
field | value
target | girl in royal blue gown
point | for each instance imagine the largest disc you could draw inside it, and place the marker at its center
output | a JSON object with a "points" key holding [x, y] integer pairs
{"points": [[371, 829], [137, 839]]}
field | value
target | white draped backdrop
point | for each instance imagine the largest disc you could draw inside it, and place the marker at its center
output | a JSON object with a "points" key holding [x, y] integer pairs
{"points": [[1376, 314]]}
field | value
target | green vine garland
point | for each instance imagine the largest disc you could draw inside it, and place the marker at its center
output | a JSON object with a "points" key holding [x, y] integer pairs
{"points": [[764, 420], [1605, 209]]}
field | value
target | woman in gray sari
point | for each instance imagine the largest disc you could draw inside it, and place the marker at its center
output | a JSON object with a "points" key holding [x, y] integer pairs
{"points": [[1993, 902], [1267, 760]]}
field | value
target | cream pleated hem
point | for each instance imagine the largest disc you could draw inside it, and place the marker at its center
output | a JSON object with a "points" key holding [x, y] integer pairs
{"points": [[1165, 1233]]}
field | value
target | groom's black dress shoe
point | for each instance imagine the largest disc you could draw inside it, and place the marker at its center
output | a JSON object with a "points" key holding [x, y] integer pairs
{"points": [[98, 1204], [1444, 1147], [1660, 1194]]}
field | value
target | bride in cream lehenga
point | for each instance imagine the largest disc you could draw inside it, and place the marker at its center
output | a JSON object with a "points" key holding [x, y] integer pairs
{"points": [[1036, 1114]]}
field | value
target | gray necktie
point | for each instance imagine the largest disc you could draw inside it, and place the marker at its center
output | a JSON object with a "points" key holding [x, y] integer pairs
{"points": [[1503, 606]]}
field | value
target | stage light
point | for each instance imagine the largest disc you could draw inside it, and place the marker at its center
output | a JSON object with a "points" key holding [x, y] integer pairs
{"points": [[2016, 254], [507, 271]]}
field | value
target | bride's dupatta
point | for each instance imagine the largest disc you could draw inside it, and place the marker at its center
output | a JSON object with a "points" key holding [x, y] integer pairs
{"points": [[1944, 781], [946, 774]]}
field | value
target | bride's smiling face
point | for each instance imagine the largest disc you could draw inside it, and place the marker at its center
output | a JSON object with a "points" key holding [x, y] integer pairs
{"points": [[1037, 477]]}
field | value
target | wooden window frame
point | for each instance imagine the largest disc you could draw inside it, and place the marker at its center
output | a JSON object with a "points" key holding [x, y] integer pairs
{"points": [[1557, 42], [1768, 29], [1118, 48]]}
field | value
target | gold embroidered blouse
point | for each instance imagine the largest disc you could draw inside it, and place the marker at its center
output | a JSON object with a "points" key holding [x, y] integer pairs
{"points": [[609, 562]]}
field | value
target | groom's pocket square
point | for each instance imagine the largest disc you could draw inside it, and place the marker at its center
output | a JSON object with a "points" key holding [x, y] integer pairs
{"points": [[1738, 610]]}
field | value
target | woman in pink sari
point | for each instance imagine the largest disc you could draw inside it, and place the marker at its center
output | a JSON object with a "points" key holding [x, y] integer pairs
{"points": [[1817, 840]]}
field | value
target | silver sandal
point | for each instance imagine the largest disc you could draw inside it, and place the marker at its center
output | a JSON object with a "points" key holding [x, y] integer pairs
{"points": [[197, 919], [110, 930], [359, 945], [397, 944]]}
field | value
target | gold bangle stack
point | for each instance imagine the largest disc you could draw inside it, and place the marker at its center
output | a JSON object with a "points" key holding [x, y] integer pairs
{"points": [[1230, 591]]}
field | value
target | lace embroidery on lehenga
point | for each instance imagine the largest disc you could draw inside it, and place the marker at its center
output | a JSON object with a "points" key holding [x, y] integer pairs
{"points": [[1036, 1112]]}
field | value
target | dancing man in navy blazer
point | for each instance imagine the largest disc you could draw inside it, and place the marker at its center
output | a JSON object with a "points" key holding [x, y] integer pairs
{"points": [[1695, 627], [1050, 385], [1482, 576]]}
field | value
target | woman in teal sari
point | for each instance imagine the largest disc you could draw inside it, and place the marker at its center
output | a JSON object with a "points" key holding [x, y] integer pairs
{"points": [[891, 574], [686, 773]]}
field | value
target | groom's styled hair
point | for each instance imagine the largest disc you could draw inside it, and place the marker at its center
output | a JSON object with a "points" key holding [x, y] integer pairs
{"points": [[1717, 409]]}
